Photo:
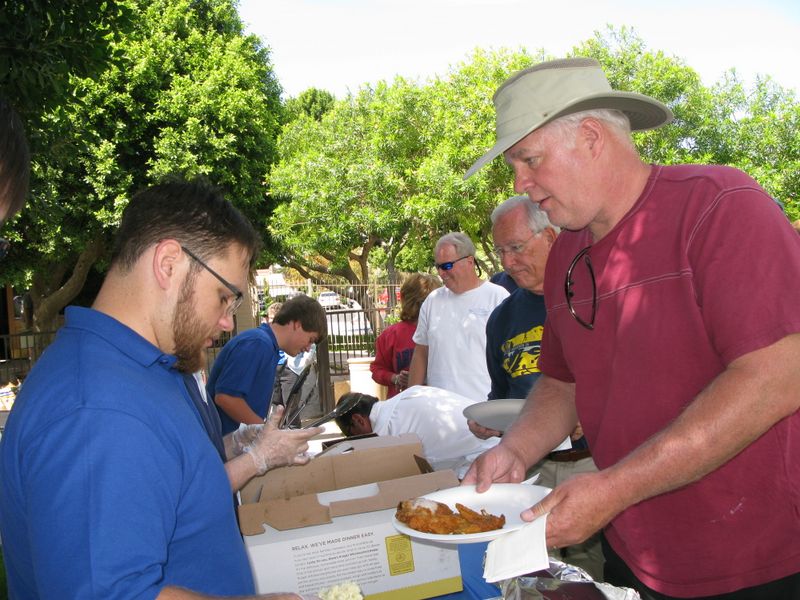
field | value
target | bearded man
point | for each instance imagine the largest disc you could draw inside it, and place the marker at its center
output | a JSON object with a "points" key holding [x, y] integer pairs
{"points": [[110, 487]]}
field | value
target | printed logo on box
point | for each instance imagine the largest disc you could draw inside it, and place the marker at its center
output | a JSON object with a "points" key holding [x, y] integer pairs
{"points": [[399, 554]]}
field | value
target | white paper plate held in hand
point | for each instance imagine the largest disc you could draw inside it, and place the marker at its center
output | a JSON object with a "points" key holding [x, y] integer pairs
{"points": [[495, 414], [508, 499]]}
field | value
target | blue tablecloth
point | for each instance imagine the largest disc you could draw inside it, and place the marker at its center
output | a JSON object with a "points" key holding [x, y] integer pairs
{"points": [[470, 558]]}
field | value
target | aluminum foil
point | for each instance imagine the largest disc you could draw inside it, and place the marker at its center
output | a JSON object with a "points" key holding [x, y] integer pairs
{"points": [[562, 582]]}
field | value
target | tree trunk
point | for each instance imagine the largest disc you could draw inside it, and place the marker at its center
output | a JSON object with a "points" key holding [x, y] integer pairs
{"points": [[46, 304]]}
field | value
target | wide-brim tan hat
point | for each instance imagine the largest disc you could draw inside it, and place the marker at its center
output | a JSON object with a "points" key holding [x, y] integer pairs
{"points": [[553, 89]]}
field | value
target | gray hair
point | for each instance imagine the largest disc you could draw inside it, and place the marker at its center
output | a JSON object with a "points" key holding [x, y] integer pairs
{"points": [[538, 220], [463, 244], [617, 121]]}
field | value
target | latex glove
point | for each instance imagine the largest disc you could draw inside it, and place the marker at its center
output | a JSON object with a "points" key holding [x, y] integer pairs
{"points": [[244, 436], [275, 447]]}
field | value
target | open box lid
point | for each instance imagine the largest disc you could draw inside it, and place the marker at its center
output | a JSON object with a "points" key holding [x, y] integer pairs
{"points": [[319, 509], [375, 477], [347, 467]]}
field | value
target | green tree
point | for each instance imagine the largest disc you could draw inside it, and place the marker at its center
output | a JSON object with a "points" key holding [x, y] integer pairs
{"points": [[346, 178], [754, 129], [765, 137], [186, 93], [380, 177], [462, 128], [44, 43], [312, 103]]}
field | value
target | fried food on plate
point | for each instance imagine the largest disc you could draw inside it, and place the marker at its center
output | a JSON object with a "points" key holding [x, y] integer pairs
{"points": [[430, 516]]}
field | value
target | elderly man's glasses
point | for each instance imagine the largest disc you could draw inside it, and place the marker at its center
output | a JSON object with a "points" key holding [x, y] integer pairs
{"points": [[582, 256], [235, 301], [446, 266], [513, 249]]}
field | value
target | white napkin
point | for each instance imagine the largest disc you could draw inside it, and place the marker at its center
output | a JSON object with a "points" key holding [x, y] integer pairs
{"points": [[565, 445], [517, 553]]}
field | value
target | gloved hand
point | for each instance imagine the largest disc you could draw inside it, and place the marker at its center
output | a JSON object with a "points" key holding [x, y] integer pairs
{"points": [[275, 447], [244, 436]]}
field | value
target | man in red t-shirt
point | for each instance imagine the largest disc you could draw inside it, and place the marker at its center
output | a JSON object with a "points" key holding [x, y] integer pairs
{"points": [[672, 333]]}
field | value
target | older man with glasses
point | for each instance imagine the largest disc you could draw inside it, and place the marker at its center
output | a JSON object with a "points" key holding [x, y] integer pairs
{"points": [[450, 340], [673, 335], [523, 236]]}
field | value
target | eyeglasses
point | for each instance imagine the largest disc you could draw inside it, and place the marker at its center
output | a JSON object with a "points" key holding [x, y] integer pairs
{"points": [[569, 282], [513, 249], [238, 296], [4, 247], [446, 266]]}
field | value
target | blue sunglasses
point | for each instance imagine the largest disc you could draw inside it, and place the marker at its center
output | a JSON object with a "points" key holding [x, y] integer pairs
{"points": [[446, 266]]}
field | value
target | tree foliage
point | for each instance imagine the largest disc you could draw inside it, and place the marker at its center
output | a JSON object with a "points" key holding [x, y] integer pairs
{"points": [[312, 103], [382, 172], [44, 43], [344, 175], [364, 183], [186, 93]]}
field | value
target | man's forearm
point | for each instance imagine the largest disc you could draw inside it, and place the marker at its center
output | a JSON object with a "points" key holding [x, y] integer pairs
{"points": [[546, 419], [240, 470], [755, 392]]}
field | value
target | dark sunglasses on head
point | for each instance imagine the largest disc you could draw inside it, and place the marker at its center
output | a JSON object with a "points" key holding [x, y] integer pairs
{"points": [[446, 266]]}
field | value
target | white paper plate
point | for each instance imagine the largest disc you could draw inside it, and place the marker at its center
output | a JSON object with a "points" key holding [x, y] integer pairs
{"points": [[494, 414], [508, 499]]}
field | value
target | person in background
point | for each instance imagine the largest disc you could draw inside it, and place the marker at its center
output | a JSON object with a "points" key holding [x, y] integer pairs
{"points": [[109, 487], [15, 166], [672, 335], [433, 414], [243, 375], [272, 310], [504, 280], [450, 339], [394, 346], [523, 236]]}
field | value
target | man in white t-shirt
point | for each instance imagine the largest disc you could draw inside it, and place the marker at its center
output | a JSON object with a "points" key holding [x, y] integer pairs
{"points": [[433, 414], [450, 340]]}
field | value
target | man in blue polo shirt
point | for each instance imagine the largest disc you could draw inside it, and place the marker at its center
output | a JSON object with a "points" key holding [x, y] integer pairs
{"points": [[243, 374], [109, 485]]}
